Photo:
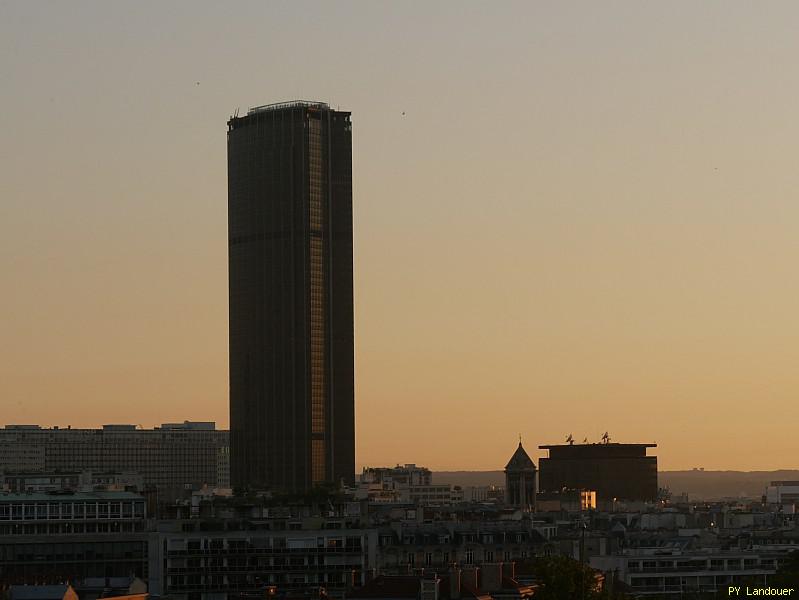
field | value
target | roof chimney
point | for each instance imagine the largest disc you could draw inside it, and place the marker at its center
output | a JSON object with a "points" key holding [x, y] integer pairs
{"points": [[430, 588], [491, 577], [454, 582], [470, 578]]}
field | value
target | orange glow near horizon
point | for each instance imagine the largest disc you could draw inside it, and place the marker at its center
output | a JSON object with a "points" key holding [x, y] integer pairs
{"points": [[568, 219]]}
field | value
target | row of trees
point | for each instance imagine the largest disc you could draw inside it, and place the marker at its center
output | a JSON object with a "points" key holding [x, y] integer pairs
{"points": [[563, 578]]}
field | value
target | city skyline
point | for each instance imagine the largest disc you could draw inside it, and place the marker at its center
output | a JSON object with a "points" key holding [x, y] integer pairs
{"points": [[568, 219]]}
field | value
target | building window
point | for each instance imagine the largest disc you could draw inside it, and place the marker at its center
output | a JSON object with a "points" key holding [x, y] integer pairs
{"points": [[410, 558], [469, 557], [428, 559]]}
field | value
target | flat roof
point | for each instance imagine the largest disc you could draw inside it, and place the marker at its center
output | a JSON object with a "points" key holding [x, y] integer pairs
{"points": [[118, 427], [289, 104], [67, 497], [609, 445], [190, 425]]}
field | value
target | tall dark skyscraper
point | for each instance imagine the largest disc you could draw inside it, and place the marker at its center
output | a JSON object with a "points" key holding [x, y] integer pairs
{"points": [[292, 422]]}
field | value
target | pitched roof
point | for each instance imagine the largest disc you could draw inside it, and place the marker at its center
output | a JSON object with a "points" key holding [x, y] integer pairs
{"points": [[38, 592], [384, 586], [520, 461]]}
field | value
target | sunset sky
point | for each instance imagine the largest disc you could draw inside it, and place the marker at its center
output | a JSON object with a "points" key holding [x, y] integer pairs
{"points": [[570, 217]]}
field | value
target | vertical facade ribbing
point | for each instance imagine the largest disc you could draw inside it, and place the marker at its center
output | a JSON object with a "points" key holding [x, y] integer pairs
{"points": [[290, 292]]}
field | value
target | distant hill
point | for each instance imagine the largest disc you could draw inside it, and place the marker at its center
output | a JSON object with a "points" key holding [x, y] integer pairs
{"points": [[712, 485], [707, 485], [468, 478]]}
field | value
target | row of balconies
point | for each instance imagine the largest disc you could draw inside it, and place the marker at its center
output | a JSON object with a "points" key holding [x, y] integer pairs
{"points": [[695, 568], [672, 572], [408, 541], [266, 551], [239, 587], [69, 560], [68, 517], [123, 528], [676, 589], [261, 569]]}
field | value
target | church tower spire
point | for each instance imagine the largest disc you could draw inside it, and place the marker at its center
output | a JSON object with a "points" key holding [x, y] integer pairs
{"points": [[520, 475]]}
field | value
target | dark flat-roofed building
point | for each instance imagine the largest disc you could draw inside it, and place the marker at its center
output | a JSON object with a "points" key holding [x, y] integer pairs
{"points": [[291, 297], [621, 471]]}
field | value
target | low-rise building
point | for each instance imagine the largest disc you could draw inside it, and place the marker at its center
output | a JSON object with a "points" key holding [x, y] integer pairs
{"points": [[494, 581], [439, 543], [405, 484], [73, 537], [566, 501], [484, 493], [698, 571], [783, 493], [245, 558], [172, 458], [75, 481]]}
